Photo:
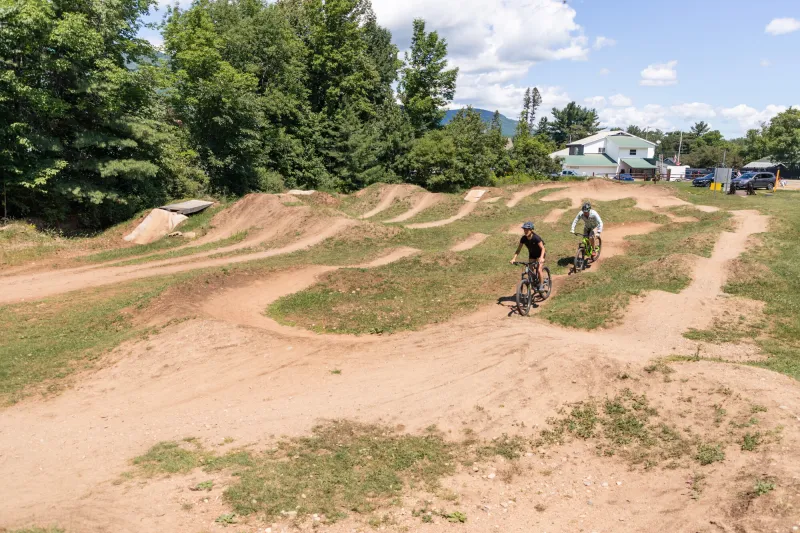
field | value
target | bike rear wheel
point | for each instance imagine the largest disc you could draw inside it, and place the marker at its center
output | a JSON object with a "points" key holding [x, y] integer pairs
{"points": [[598, 247], [580, 260], [524, 297], [547, 283]]}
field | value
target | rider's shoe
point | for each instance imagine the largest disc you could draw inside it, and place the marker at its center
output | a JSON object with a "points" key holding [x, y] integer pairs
{"points": [[594, 256]]}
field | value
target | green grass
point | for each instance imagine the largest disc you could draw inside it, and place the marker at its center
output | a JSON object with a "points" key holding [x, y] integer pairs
{"points": [[51, 339], [625, 426], [708, 453], [763, 486], [751, 441], [22, 243], [434, 286], [769, 271], [189, 250], [599, 298], [199, 223], [182, 457], [343, 467]]}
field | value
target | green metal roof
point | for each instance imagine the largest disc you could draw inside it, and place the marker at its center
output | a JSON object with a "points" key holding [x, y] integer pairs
{"points": [[638, 163], [589, 160], [629, 142]]}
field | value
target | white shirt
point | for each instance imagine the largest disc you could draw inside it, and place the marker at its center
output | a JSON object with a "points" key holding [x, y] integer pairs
{"points": [[591, 222]]}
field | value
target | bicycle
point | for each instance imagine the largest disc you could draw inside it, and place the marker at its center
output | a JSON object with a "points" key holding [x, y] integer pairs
{"points": [[527, 291], [584, 254]]}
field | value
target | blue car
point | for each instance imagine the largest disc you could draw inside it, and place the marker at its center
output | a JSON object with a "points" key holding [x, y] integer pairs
{"points": [[623, 177], [703, 181]]}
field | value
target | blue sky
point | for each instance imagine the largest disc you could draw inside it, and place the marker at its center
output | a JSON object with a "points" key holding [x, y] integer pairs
{"points": [[732, 63]]}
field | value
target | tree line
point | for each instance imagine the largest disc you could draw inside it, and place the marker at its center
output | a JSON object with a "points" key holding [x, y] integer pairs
{"points": [[248, 95], [96, 124]]}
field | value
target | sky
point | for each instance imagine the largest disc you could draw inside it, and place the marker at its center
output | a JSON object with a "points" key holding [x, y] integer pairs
{"points": [[731, 63]]}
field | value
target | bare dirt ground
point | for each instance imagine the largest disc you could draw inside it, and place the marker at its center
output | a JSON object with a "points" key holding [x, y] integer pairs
{"points": [[231, 372]]}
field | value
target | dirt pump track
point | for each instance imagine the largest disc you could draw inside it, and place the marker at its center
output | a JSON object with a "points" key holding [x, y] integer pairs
{"points": [[231, 371]]}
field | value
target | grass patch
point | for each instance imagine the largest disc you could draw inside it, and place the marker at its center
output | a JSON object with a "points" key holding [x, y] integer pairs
{"points": [[625, 425], [200, 223], [768, 272], [763, 486], [22, 243], [190, 250], [50, 340], [343, 467], [751, 441], [708, 453], [590, 302], [182, 457]]}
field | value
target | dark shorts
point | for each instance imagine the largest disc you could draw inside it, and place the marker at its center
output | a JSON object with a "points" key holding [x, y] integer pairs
{"points": [[588, 232]]}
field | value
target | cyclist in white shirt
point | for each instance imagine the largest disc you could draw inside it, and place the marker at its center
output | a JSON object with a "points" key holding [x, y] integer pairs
{"points": [[592, 225]]}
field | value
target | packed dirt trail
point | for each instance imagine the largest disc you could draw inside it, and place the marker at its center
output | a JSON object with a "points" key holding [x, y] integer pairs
{"points": [[231, 372], [465, 210], [41, 285], [423, 202], [389, 194], [470, 242]]}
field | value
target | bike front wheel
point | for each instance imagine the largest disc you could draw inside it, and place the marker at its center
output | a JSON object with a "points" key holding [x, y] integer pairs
{"points": [[579, 262], [524, 297], [598, 246], [547, 283]]}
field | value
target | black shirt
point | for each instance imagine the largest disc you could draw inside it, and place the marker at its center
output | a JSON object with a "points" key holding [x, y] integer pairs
{"points": [[534, 252]]}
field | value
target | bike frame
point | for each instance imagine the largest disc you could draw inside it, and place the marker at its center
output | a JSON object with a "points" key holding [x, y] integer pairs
{"points": [[587, 245], [530, 273]]}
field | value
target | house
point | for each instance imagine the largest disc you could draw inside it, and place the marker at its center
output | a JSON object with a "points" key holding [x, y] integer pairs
{"points": [[609, 152], [766, 164]]}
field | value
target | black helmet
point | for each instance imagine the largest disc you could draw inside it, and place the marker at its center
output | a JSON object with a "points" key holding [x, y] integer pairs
{"points": [[528, 225], [586, 207]]}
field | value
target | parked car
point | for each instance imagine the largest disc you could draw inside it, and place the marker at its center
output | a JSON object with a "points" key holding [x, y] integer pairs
{"points": [[623, 177], [703, 181], [566, 172], [760, 180]]}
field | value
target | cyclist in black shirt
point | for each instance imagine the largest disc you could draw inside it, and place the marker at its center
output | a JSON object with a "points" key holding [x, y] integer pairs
{"points": [[536, 251]]}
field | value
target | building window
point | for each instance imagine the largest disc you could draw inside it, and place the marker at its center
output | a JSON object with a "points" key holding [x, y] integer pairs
{"points": [[601, 150], [633, 152], [576, 150]]}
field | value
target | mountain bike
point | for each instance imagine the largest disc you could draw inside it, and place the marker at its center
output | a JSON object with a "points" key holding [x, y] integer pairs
{"points": [[526, 290], [584, 254]]}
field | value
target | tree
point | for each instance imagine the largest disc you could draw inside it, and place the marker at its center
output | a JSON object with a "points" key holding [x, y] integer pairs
{"points": [[523, 124], [700, 128], [755, 145], [531, 155], [783, 137], [426, 84], [536, 101], [457, 157], [80, 132], [572, 123]]}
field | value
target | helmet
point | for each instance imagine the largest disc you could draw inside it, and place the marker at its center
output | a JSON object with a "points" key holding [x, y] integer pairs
{"points": [[528, 225], [586, 207]]}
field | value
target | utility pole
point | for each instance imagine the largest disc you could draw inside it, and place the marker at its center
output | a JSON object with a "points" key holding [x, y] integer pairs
{"points": [[680, 145], [724, 153]]}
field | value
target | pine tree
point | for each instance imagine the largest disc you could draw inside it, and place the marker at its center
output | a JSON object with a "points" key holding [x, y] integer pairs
{"points": [[523, 129], [536, 101]]}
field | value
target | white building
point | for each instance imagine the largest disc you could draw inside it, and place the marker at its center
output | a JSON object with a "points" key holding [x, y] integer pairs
{"points": [[609, 152]]}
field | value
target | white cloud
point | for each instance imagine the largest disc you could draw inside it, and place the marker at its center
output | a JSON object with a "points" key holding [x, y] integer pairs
{"points": [[694, 110], [765, 63], [604, 72], [494, 43], [782, 25], [651, 115], [620, 100], [508, 98], [748, 117], [595, 101], [660, 74], [602, 42]]}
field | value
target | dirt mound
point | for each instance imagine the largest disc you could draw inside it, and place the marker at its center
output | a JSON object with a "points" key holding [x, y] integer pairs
{"points": [[650, 197], [254, 211], [368, 230], [664, 270], [470, 242], [389, 194], [155, 226], [420, 202], [465, 210]]}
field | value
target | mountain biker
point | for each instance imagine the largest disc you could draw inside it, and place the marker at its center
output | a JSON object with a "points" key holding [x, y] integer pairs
{"points": [[536, 251], [592, 224]]}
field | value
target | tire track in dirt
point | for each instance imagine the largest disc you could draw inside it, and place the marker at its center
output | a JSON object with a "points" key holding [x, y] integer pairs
{"points": [[517, 197], [470, 242], [465, 210], [41, 285], [389, 194], [425, 200]]}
